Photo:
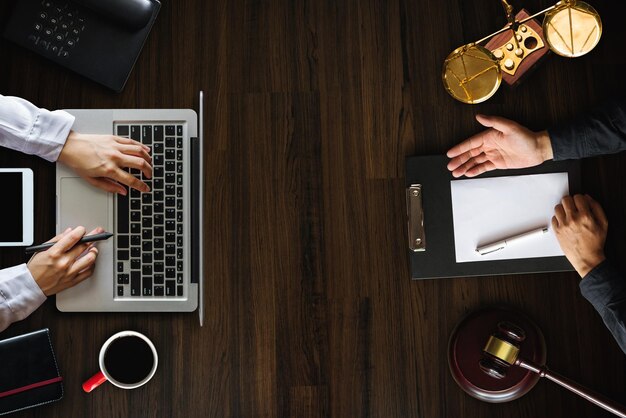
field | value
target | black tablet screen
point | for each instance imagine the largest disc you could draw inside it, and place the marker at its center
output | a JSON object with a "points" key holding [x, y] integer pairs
{"points": [[11, 221]]}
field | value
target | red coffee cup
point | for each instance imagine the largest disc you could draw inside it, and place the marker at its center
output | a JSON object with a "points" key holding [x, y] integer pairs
{"points": [[128, 360]]}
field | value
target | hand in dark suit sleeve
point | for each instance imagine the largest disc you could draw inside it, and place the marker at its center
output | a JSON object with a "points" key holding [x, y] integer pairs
{"points": [[506, 144], [605, 288], [580, 225], [603, 131]]}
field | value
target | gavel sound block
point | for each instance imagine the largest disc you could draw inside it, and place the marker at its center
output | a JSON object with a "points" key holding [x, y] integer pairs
{"points": [[498, 355], [465, 353]]}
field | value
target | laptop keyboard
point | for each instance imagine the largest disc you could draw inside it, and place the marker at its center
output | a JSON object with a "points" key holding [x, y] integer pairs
{"points": [[149, 250]]}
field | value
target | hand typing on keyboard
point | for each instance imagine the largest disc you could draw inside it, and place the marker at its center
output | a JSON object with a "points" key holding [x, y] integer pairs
{"points": [[102, 159]]}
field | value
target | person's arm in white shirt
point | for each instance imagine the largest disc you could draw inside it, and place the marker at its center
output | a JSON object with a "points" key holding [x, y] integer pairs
{"points": [[19, 295], [99, 159], [25, 287], [25, 127]]}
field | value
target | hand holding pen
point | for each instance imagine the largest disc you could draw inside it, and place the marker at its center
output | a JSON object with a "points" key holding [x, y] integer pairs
{"points": [[102, 236], [66, 263]]}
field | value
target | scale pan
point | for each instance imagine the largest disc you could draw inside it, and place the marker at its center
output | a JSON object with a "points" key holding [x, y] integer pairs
{"points": [[471, 74], [572, 29]]}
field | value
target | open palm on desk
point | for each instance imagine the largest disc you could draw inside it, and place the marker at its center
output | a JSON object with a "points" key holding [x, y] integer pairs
{"points": [[506, 144]]}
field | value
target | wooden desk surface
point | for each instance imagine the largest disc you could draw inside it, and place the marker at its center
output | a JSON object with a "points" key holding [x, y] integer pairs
{"points": [[312, 107]]}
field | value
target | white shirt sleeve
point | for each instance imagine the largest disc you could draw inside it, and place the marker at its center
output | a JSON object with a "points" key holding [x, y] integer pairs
{"points": [[25, 127], [19, 295]]}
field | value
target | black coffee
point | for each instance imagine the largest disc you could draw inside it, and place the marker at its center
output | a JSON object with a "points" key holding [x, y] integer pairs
{"points": [[128, 360]]}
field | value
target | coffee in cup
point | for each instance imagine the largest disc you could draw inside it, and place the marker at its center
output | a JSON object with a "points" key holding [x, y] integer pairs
{"points": [[128, 360]]}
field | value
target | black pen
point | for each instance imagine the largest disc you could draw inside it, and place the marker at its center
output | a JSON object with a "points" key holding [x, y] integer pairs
{"points": [[87, 238]]}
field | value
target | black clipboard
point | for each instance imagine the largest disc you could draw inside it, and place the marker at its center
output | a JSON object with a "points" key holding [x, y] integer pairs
{"points": [[435, 254]]}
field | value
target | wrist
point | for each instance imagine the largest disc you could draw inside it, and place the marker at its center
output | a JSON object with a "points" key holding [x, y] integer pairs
{"points": [[583, 267], [544, 145], [65, 155], [34, 273]]}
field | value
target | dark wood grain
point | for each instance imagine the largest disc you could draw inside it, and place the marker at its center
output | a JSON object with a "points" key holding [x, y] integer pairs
{"points": [[312, 107]]}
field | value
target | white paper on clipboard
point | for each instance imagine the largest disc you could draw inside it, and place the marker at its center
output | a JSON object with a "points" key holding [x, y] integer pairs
{"points": [[489, 209]]}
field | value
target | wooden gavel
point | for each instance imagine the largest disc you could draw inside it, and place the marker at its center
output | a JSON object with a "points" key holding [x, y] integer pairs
{"points": [[502, 351]]}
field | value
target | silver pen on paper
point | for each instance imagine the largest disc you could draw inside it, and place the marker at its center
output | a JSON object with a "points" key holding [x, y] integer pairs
{"points": [[503, 243]]}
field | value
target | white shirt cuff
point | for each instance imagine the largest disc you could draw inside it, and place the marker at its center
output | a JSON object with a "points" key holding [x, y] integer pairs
{"points": [[19, 294], [27, 128], [49, 133]]}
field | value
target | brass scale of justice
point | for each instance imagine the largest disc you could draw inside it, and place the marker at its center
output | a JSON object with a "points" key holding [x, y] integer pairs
{"points": [[473, 73], [498, 354]]}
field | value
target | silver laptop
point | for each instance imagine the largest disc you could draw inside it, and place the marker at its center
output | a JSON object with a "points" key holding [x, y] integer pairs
{"points": [[153, 263]]}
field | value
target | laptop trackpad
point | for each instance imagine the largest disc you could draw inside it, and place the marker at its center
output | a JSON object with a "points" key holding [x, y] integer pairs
{"points": [[82, 204]]}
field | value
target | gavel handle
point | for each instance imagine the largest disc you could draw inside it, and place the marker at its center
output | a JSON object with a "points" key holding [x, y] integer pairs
{"points": [[577, 388]]}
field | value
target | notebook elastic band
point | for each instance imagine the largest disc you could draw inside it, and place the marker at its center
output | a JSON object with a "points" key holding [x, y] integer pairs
{"points": [[31, 386]]}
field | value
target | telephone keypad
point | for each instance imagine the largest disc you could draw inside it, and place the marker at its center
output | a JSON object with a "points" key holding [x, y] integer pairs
{"points": [[58, 29]]}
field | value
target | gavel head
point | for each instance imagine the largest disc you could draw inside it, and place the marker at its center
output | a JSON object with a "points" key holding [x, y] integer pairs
{"points": [[502, 349]]}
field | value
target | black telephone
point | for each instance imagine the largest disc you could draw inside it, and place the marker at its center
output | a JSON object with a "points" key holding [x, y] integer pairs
{"points": [[98, 39]]}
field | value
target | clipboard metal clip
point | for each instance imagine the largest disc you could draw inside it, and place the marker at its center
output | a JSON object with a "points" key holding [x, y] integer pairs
{"points": [[415, 214]]}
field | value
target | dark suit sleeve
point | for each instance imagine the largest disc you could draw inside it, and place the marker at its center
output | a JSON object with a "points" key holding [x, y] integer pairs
{"points": [[605, 288], [601, 132]]}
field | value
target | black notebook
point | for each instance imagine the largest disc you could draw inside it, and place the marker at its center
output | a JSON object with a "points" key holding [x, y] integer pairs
{"points": [[29, 375]]}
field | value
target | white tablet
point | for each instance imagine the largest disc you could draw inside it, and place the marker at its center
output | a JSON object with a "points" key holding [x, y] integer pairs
{"points": [[16, 224]]}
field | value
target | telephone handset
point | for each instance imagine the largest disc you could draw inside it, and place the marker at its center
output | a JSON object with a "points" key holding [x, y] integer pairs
{"points": [[131, 14]]}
